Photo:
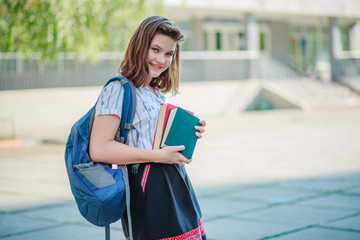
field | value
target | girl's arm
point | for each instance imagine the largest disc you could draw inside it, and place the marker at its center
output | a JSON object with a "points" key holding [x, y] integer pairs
{"points": [[103, 147]]}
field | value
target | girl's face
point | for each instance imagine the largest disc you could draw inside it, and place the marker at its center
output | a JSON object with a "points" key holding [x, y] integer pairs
{"points": [[160, 54]]}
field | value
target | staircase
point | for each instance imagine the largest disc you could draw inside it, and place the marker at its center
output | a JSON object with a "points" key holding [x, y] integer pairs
{"points": [[313, 94]]}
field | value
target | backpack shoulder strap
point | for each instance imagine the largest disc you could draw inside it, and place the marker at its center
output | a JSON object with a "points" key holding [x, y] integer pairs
{"points": [[128, 109], [127, 115]]}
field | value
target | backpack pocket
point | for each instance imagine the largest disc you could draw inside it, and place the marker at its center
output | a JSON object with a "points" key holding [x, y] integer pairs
{"points": [[96, 174]]}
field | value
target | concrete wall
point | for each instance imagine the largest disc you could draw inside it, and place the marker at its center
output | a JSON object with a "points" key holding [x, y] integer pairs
{"points": [[39, 113]]}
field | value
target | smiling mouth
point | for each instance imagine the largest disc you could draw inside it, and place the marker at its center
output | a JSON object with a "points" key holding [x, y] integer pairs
{"points": [[155, 66]]}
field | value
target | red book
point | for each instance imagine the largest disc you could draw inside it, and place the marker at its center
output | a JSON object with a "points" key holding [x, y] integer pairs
{"points": [[160, 127]]}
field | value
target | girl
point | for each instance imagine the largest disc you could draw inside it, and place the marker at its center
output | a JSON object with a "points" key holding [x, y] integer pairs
{"points": [[163, 202]]}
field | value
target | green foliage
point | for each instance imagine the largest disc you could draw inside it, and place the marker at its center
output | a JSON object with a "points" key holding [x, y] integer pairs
{"points": [[85, 27]]}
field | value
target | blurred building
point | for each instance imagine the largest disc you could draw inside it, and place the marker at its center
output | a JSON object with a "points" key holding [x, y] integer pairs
{"points": [[229, 40], [315, 37]]}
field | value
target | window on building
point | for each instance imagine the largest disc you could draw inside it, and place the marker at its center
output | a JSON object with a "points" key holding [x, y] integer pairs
{"points": [[218, 40], [242, 45], [262, 41], [206, 40]]}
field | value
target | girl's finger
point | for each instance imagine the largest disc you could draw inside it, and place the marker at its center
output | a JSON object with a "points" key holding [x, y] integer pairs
{"points": [[200, 129], [203, 123]]}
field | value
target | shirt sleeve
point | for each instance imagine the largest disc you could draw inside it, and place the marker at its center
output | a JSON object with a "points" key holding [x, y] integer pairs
{"points": [[110, 100]]}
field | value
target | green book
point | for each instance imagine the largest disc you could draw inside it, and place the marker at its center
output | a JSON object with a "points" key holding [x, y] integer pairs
{"points": [[180, 130]]}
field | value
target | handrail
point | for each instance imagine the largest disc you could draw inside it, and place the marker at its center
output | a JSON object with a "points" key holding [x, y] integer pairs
{"points": [[349, 55]]}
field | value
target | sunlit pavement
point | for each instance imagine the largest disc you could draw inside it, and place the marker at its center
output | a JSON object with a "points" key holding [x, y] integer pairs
{"points": [[262, 175]]}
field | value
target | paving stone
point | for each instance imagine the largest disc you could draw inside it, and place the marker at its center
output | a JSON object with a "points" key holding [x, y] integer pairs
{"points": [[351, 223], [217, 207], [270, 195], [11, 224], [63, 213], [297, 214], [218, 191], [334, 201], [323, 184], [62, 232], [234, 229], [67, 213], [321, 233]]}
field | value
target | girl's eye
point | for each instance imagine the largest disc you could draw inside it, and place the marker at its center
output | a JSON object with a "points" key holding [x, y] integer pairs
{"points": [[155, 50], [170, 54]]}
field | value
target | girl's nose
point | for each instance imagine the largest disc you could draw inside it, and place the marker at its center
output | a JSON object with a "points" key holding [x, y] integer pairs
{"points": [[160, 60]]}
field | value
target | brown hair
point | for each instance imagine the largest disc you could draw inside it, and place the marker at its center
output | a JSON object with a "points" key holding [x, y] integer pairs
{"points": [[134, 64]]}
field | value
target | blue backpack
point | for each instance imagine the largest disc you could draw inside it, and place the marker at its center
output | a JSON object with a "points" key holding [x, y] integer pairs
{"points": [[99, 189]]}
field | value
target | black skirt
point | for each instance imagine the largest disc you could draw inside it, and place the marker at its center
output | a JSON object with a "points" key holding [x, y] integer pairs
{"points": [[163, 204]]}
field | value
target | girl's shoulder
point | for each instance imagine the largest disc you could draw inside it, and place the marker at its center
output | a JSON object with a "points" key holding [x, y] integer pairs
{"points": [[110, 99], [112, 90]]}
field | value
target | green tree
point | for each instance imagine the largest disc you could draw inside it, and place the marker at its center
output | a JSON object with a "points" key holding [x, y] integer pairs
{"points": [[86, 27]]}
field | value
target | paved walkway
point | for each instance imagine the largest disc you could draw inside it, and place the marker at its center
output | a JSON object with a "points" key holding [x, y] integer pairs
{"points": [[261, 175]]}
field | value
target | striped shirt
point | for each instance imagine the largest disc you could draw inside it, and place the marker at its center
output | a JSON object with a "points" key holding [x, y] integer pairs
{"points": [[146, 114]]}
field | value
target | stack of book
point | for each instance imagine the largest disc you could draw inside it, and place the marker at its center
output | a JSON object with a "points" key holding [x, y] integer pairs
{"points": [[176, 127]]}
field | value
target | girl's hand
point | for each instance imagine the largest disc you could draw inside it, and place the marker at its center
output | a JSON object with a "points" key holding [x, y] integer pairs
{"points": [[171, 155], [200, 129]]}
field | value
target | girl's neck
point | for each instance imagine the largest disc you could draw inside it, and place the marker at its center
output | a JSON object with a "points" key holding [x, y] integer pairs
{"points": [[151, 88]]}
